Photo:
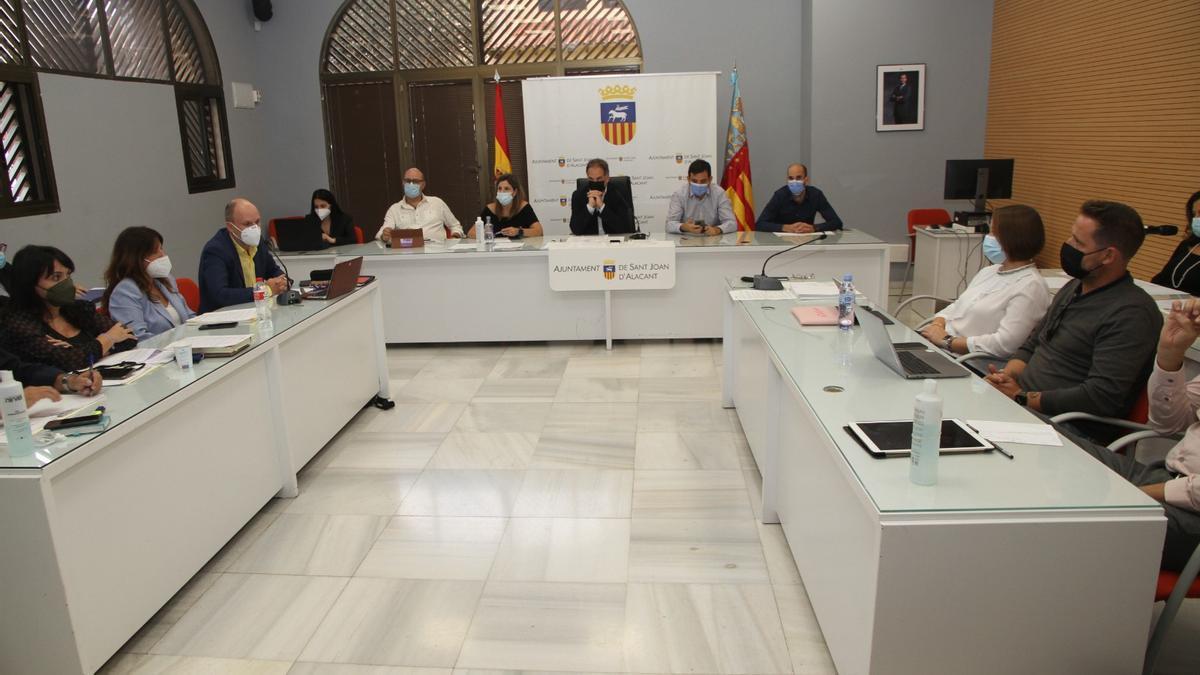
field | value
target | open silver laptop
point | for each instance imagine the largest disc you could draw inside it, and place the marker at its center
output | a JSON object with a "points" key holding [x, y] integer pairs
{"points": [[916, 363]]}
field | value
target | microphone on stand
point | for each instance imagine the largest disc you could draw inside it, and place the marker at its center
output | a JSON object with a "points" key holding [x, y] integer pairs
{"points": [[1164, 230], [288, 297], [762, 282]]}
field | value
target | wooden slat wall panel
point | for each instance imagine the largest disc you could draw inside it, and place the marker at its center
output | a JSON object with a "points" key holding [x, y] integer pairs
{"points": [[1098, 99]]}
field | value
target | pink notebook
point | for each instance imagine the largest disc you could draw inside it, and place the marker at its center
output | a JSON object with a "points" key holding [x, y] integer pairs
{"points": [[816, 316]]}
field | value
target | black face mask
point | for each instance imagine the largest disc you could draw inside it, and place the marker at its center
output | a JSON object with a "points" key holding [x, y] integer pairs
{"points": [[1071, 260]]}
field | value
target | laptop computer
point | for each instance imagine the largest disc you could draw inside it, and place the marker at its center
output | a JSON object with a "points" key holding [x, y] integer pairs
{"points": [[912, 361], [343, 280], [402, 238], [297, 234]]}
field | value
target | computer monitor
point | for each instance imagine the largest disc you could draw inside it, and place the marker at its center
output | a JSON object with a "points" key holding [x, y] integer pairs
{"points": [[978, 180]]}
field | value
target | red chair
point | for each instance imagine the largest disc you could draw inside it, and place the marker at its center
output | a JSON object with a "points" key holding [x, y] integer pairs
{"points": [[920, 218], [190, 292], [358, 234]]}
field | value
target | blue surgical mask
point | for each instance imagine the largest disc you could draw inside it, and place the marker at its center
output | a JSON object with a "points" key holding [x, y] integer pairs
{"points": [[412, 190], [991, 249], [504, 198], [796, 186], [3, 259], [1195, 229], [699, 189]]}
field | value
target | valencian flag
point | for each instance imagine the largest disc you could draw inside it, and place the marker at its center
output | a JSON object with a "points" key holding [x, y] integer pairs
{"points": [[735, 180], [502, 165]]}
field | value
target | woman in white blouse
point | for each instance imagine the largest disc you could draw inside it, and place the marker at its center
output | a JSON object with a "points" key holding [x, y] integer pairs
{"points": [[1005, 301]]}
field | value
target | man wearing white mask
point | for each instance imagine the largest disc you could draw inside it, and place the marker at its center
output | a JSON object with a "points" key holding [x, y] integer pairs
{"points": [[232, 260], [794, 207], [419, 211]]}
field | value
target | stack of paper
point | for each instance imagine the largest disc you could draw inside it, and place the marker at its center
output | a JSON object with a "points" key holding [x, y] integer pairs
{"points": [[744, 294], [214, 345], [508, 245], [224, 316], [813, 289]]}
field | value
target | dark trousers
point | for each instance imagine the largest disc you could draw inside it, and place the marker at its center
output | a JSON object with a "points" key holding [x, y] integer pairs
{"points": [[1183, 525]]}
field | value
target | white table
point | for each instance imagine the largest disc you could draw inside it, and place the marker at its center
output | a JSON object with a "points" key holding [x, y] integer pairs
{"points": [[435, 294], [98, 533], [945, 261], [1042, 564]]}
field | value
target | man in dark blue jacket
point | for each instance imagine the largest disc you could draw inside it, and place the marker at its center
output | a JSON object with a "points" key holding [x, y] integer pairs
{"points": [[233, 259], [794, 207]]}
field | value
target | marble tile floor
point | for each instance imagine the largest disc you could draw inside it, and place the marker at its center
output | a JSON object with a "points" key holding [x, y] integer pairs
{"points": [[531, 508], [537, 508]]}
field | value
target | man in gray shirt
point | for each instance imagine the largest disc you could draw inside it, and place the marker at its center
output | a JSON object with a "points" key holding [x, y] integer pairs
{"points": [[1094, 349], [696, 208]]}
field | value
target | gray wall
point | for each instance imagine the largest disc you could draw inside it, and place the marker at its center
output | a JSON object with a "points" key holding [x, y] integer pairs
{"points": [[807, 68], [118, 159], [874, 178]]}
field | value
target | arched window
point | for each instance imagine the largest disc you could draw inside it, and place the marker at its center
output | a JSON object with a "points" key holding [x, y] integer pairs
{"points": [[141, 40], [409, 82]]}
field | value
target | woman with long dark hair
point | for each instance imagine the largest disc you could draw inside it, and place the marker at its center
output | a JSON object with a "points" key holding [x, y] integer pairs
{"points": [[1182, 271], [511, 214], [337, 227], [141, 293], [44, 323]]}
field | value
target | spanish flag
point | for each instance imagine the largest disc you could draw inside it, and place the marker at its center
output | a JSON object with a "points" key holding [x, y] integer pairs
{"points": [[735, 180], [502, 164]]}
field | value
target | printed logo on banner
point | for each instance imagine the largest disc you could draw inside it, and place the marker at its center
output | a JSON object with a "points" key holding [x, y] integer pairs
{"points": [[562, 161], [562, 200], [610, 269], [679, 159], [618, 113]]}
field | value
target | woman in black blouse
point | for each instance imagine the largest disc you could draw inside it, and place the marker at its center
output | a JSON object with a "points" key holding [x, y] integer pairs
{"points": [[1182, 271], [511, 215], [44, 323], [337, 227]]}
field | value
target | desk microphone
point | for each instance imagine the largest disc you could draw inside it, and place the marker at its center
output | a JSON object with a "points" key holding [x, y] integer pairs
{"points": [[288, 297], [762, 282], [1164, 230]]}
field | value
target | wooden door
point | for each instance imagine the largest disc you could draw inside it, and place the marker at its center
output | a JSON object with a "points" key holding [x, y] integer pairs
{"points": [[443, 137], [365, 150]]}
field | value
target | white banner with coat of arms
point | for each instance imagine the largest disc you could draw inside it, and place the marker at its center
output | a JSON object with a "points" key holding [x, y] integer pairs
{"points": [[647, 126]]}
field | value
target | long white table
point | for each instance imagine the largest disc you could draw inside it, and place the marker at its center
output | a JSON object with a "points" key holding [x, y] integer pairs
{"points": [[1042, 564], [435, 294], [97, 533]]}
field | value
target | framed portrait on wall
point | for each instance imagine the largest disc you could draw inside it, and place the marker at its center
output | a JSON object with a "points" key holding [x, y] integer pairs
{"points": [[900, 97]]}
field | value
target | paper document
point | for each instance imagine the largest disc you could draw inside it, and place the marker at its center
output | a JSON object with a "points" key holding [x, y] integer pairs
{"points": [[812, 289], [508, 245], [209, 341], [223, 316], [1017, 432], [744, 294], [144, 355], [69, 403], [463, 244], [1156, 291], [1056, 283], [795, 234]]}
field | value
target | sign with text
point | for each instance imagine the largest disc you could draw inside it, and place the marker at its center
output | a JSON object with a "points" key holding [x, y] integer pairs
{"points": [[648, 127], [596, 264]]}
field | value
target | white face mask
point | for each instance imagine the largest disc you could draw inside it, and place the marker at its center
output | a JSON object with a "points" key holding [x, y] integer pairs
{"points": [[322, 213], [251, 235], [159, 268]]}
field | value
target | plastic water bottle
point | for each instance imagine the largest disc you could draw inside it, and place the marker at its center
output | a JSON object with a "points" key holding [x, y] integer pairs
{"points": [[480, 237], [926, 436], [16, 417], [489, 235], [846, 303], [262, 306]]}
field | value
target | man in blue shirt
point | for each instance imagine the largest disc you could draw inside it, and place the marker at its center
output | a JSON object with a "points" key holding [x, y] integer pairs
{"points": [[794, 207]]}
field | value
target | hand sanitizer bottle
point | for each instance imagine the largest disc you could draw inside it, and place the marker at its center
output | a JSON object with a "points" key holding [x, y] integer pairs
{"points": [[926, 436], [16, 417], [480, 237]]}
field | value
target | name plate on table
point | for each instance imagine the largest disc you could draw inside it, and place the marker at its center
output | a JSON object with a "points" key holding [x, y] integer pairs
{"points": [[597, 264]]}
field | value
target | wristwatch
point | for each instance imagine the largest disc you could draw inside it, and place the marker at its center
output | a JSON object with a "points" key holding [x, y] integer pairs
{"points": [[1022, 398], [947, 342]]}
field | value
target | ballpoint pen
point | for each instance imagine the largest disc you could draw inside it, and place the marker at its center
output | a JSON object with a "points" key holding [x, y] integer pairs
{"points": [[1003, 451]]}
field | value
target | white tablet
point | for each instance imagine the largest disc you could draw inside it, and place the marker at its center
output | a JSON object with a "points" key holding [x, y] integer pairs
{"points": [[894, 438]]}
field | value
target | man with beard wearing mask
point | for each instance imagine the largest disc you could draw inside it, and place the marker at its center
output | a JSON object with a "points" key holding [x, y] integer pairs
{"points": [[1094, 350], [794, 207], [232, 260]]}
